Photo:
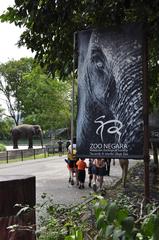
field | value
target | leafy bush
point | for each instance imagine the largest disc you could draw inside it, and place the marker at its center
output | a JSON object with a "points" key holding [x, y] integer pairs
{"points": [[111, 221], [2, 147], [95, 219], [62, 222], [114, 223]]}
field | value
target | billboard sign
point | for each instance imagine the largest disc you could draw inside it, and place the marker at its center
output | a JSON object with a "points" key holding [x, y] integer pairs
{"points": [[110, 92]]}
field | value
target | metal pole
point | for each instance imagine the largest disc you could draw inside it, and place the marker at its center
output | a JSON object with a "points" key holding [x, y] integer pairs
{"points": [[146, 124], [73, 90], [7, 156], [72, 113], [22, 155], [34, 153], [44, 152]]}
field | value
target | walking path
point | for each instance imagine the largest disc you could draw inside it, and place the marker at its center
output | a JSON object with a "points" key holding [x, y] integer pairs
{"points": [[52, 178]]}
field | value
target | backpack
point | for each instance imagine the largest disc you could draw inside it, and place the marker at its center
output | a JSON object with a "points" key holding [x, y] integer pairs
{"points": [[72, 154]]}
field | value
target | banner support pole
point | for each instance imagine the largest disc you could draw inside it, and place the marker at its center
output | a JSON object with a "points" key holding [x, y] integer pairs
{"points": [[72, 113], [146, 121], [73, 89]]}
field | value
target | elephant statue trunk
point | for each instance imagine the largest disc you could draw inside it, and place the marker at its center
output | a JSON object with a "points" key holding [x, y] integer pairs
{"points": [[26, 131]]}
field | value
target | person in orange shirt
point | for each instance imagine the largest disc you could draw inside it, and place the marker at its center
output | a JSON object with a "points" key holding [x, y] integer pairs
{"points": [[81, 166]]}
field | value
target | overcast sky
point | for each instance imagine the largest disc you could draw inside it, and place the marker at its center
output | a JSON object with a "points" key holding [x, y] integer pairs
{"points": [[9, 35]]}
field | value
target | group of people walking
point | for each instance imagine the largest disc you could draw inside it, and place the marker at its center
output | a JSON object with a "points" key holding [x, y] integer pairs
{"points": [[97, 169]]}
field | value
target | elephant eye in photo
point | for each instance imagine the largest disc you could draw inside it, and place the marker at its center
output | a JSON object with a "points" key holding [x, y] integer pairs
{"points": [[99, 64], [97, 58]]}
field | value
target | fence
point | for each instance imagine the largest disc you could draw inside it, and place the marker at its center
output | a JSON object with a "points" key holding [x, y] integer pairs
{"points": [[52, 149], [22, 154]]}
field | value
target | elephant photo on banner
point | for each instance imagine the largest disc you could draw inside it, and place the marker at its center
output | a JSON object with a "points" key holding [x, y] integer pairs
{"points": [[26, 131], [110, 92]]}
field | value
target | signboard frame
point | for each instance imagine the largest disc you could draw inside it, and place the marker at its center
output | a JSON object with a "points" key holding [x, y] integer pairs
{"points": [[105, 147]]}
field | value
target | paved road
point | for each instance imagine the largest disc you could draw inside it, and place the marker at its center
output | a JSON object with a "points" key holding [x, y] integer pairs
{"points": [[52, 178]]}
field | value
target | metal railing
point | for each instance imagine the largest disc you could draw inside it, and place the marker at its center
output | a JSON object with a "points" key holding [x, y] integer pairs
{"points": [[21, 154], [24, 154]]}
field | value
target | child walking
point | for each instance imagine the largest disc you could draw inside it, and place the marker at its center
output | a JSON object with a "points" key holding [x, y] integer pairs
{"points": [[81, 166]]}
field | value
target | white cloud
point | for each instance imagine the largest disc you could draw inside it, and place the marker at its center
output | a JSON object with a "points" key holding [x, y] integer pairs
{"points": [[10, 35]]}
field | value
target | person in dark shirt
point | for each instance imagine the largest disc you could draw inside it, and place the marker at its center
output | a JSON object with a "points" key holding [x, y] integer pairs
{"points": [[60, 142], [68, 144]]}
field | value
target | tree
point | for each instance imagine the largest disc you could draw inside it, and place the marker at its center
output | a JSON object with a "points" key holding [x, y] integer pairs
{"points": [[45, 101], [12, 84], [5, 125], [34, 97], [50, 26]]}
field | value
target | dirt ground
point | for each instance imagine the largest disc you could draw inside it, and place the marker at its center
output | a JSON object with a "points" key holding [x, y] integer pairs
{"points": [[135, 187]]}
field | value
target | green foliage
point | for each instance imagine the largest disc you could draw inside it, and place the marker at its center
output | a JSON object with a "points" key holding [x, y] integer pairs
{"points": [[12, 84], [111, 223], [147, 226], [38, 99], [115, 223], [5, 127], [2, 147], [63, 223], [50, 26], [51, 105]]}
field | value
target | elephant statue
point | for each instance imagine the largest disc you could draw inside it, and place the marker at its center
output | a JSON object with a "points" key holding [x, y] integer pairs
{"points": [[26, 131]]}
